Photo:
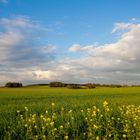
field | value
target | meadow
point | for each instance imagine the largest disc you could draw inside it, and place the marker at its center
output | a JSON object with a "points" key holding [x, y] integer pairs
{"points": [[61, 113]]}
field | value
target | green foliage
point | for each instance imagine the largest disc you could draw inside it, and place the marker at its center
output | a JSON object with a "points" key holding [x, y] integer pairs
{"points": [[74, 86], [90, 85], [13, 85], [57, 84], [95, 123], [39, 99]]}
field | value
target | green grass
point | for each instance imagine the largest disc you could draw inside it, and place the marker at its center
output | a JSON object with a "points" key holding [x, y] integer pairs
{"points": [[38, 99]]}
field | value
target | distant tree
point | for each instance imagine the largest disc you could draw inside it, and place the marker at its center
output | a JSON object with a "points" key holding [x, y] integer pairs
{"points": [[115, 86], [57, 84], [89, 85], [119, 86], [74, 86], [13, 84]]}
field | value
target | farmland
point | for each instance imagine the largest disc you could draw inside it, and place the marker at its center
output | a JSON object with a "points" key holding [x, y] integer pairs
{"points": [[39, 99]]}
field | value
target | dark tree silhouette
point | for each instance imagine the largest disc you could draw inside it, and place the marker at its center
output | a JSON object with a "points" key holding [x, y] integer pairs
{"points": [[13, 84]]}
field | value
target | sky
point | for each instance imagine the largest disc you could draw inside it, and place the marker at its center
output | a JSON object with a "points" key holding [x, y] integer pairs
{"points": [[79, 41]]}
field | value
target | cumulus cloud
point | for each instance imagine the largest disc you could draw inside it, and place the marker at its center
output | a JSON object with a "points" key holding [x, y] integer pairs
{"points": [[79, 48], [122, 26], [43, 75], [19, 42], [116, 62], [75, 48], [20, 47], [22, 58]]}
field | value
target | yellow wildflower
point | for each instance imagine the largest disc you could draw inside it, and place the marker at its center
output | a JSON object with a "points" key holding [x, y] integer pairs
{"points": [[51, 123], [105, 103], [61, 126], [53, 104], [26, 108], [66, 137], [18, 111]]}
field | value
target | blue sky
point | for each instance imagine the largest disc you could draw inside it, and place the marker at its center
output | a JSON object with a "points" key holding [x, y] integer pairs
{"points": [[69, 24], [81, 21]]}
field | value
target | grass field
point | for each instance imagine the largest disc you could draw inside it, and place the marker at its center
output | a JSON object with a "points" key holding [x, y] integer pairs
{"points": [[39, 99]]}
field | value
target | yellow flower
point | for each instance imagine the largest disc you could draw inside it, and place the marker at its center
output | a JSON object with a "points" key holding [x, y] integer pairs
{"points": [[97, 138], [95, 126], [112, 118], [53, 104], [35, 126], [26, 125], [66, 137], [94, 107], [18, 111], [134, 124], [124, 135], [34, 115], [86, 118], [118, 119], [48, 119], [101, 115], [62, 109], [53, 116], [94, 113], [88, 109], [51, 123], [44, 119], [61, 126], [43, 127], [70, 111], [26, 108], [44, 136], [107, 109], [105, 103]]}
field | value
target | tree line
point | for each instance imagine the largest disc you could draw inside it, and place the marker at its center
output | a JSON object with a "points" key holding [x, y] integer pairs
{"points": [[13, 84], [68, 85]]}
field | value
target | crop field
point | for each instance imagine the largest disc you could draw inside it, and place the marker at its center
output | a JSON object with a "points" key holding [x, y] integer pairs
{"points": [[60, 113]]}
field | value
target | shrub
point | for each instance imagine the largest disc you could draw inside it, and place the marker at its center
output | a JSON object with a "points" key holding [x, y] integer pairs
{"points": [[57, 84], [74, 86], [90, 85]]}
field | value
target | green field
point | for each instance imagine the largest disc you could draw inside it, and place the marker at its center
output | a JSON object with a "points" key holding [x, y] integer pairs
{"points": [[39, 99]]}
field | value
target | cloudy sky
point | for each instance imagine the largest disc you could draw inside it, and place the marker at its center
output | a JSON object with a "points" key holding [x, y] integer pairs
{"points": [[76, 41]]}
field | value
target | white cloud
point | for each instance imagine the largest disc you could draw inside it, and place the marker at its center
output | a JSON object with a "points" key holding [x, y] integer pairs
{"points": [[20, 48], [19, 42], [122, 26], [4, 1], [78, 48], [45, 75], [75, 48], [120, 58], [116, 62], [48, 48], [133, 19]]}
